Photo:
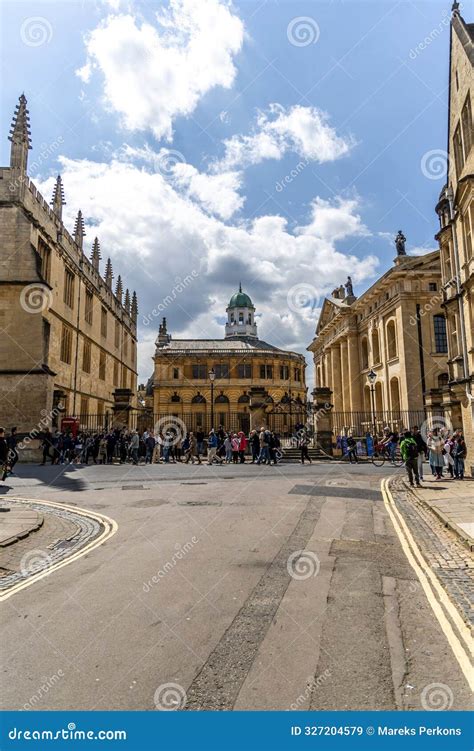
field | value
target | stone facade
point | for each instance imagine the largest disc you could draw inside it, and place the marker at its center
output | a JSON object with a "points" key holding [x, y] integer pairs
{"points": [[394, 330], [68, 339], [252, 378], [456, 237]]}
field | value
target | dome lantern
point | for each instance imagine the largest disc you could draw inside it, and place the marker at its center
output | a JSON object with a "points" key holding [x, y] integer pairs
{"points": [[240, 316]]}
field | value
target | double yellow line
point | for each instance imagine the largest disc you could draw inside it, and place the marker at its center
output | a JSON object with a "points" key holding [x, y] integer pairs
{"points": [[109, 529], [460, 642]]}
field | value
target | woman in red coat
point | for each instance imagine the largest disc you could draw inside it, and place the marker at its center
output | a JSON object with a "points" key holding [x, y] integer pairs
{"points": [[242, 446]]}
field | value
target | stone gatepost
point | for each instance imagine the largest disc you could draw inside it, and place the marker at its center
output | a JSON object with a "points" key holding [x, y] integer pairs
{"points": [[259, 402], [122, 408], [322, 418]]}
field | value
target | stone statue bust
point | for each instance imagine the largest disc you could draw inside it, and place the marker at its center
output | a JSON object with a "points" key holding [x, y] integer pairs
{"points": [[400, 241]]}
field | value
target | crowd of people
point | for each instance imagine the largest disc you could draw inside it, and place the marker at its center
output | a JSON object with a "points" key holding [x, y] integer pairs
{"points": [[445, 450], [124, 445]]}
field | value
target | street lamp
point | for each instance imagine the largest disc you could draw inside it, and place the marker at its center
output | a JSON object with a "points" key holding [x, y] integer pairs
{"points": [[372, 377], [212, 377]]}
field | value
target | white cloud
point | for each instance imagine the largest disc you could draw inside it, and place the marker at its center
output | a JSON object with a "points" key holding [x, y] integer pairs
{"points": [[334, 221], [157, 236], [218, 194], [153, 74], [304, 130]]}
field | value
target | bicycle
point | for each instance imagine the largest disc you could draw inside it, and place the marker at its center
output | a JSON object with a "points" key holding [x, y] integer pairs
{"points": [[382, 454]]}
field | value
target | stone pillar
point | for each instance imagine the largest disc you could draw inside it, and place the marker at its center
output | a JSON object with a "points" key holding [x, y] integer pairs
{"points": [[323, 419], [257, 407], [122, 408], [354, 383], [345, 388], [336, 377]]}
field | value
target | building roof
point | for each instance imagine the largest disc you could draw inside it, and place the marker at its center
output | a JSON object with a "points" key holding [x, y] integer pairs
{"points": [[241, 344], [240, 300]]}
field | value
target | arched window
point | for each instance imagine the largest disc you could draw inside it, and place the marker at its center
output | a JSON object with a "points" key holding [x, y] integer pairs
{"points": [[241, 317], [375, 346], [222, 399], [243, 399], [391, 340], [175, 397], [440, 337], [364, 353], [198, 399], [394, 395]]}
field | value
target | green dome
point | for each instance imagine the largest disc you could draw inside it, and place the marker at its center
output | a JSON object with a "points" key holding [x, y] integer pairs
{"points": [[240, 300]]}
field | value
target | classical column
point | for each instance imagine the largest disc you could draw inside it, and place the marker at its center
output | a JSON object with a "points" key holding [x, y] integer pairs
{"points": [[336, 376], [345, 376], [354, 381]]}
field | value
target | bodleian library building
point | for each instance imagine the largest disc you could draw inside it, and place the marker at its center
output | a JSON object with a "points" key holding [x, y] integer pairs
{"points": [[68, 343]]}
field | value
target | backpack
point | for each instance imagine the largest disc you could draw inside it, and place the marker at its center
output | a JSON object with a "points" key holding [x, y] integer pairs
{"points": [[412, 450]]}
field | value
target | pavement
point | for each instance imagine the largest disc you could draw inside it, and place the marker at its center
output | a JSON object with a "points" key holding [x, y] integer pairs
{"points": [[453, 502], [242, 587], [16, 523]]}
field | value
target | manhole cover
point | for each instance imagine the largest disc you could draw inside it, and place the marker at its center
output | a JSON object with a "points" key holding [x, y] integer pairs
{"points": [[133, 487], [193, 483]]}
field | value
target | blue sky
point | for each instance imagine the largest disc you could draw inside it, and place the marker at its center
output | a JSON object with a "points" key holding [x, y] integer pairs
{"points": [[280, 143]]}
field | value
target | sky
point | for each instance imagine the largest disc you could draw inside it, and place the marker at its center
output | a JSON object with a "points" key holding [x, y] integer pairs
{"points": [[277, 144]]}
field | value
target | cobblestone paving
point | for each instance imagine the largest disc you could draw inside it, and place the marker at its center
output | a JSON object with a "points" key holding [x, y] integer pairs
{"points": [[449, 559], [62, 534]]}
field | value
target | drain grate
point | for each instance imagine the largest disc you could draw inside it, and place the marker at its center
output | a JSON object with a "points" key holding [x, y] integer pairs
{"points": [[133, 487]]}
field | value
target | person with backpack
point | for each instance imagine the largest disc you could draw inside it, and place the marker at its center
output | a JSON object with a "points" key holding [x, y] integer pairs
{"points": [[352, 449], [459, 454], [409, 452], [422, 449], [3, 455], [212, 443], [254, 445]]}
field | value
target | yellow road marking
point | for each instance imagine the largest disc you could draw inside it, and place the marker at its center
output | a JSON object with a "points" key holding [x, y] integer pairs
{"points": [[110, 528], [412, 551]]}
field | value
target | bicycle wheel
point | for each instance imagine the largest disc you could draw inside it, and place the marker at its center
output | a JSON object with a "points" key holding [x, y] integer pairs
{"points": [[398, 461], [378, 460]]}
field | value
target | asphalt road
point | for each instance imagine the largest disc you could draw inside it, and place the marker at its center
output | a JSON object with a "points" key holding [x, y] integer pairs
{"points": [[226, 588]]}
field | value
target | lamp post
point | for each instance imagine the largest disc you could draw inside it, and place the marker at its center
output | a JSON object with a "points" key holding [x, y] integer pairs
{"points": [[212, 377], [372, 376]]}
